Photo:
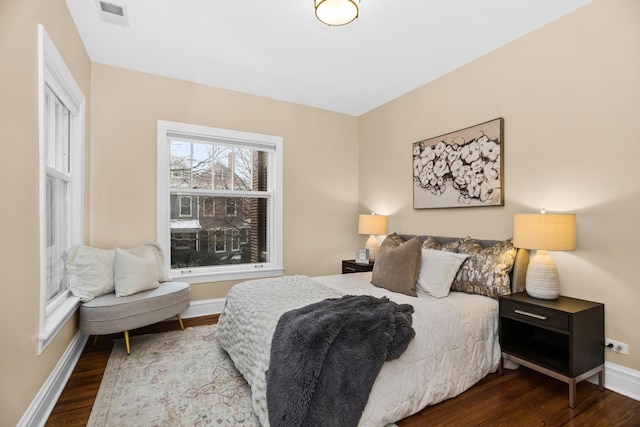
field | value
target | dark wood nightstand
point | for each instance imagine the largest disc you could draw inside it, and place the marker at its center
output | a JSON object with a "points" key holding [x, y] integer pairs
{"points": [[350, 266], [562, 338]]}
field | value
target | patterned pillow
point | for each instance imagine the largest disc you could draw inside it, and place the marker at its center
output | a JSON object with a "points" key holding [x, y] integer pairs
{"points": [[396, 238], [432, 243], [469, 246], [397, 265], [486, 271]]}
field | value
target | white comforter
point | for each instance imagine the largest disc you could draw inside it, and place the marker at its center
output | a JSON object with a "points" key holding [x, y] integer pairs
{"points": [[456, 341]]}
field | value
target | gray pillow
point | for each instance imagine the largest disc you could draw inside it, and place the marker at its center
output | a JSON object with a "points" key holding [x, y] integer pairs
{"points": [[397, 265]]}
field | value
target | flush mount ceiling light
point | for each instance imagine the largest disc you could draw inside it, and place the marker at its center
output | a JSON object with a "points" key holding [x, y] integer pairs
{"points": [[336, 12]]}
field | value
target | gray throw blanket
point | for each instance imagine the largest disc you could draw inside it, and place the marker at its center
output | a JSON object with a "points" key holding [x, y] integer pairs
{"points": [[326, 356]]}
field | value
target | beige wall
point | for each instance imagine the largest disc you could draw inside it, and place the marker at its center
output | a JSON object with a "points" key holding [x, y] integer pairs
{"points": [[570, 97], [22, 371], [320, 164]]}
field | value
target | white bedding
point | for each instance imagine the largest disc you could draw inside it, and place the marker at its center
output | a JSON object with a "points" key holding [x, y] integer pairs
{"points": [[456, 342]]}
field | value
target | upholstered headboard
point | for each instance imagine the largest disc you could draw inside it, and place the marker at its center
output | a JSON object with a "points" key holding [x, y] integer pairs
{"points": [[519, 271]]}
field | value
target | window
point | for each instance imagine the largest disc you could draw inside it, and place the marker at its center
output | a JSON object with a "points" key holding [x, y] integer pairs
{"points": [[221, 242], [230, 205], [235, 240], [185, 205], [219, 202], [61, 115], [208, 206]]}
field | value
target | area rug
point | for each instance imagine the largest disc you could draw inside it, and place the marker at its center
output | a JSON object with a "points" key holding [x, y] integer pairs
{"points": [[179, 378]]}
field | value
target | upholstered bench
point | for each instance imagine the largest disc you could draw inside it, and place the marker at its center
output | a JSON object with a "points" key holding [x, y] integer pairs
{"points": [[123, 289], [108, 314]]}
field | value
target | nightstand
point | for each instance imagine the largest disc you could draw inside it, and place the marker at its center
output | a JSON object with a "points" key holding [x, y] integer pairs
{"points": [[562, 338], [350, 266]]}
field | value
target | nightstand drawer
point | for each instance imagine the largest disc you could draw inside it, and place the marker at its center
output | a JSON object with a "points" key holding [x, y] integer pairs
{"points": [[535, 315], [350, 266]]}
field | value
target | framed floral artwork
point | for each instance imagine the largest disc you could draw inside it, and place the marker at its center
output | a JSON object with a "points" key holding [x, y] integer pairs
{"points": [[460, 169]]}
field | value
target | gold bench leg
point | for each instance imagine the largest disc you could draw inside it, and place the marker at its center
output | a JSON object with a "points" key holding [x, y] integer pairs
{"points": [[95, 340], [126, 341], [180, 320]]}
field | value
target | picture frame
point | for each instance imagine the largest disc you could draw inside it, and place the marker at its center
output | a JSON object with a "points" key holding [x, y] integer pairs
{"points": [[362, 256], [464, 168]]}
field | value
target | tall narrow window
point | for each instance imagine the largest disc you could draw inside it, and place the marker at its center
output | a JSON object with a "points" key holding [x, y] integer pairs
{"points": [[234, 184], [59, 180], [61, 184]]}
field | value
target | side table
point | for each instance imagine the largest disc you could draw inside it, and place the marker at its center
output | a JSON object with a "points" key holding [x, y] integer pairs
{"points": [[562, 338]]}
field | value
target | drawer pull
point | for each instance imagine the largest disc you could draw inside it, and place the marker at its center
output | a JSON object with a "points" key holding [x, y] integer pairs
{"points": [[526, 313], [350, 269]]}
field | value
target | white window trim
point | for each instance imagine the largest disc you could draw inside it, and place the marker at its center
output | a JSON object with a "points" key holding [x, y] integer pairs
{"points": [[231, 272], [52, 71]]}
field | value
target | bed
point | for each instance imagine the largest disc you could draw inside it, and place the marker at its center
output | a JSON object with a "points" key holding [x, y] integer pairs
{"points": [[456, 335]]}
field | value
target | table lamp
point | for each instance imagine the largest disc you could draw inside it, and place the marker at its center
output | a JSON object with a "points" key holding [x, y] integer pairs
{"points": [[372, 225], [544, 232]]}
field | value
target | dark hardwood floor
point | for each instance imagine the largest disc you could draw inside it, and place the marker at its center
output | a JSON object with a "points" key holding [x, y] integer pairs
{"points": [[518, 398]]}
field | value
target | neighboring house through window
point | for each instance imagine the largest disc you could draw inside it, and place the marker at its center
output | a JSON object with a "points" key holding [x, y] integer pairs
{"points": [[219, 202], [61, 116]]}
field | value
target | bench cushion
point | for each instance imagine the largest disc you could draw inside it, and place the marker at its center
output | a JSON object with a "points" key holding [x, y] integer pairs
{"points": [[109, 314]]}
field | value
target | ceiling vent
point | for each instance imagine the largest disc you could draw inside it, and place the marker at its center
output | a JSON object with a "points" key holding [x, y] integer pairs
{"points": [[112, 13]]}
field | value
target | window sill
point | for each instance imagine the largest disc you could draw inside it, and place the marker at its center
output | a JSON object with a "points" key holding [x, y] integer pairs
{"points": [[55, 321], [206, 277]]}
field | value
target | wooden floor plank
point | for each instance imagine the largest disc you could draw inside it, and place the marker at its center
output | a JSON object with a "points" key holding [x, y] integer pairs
{"points": [[520, 397]]}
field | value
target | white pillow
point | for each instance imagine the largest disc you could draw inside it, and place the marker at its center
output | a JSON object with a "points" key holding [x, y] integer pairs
{"points": [[437, 271], [158, 253], [89, 271], [133, 273]]}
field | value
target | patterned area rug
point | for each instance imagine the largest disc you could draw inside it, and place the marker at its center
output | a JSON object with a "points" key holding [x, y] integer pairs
{"points": [[179, 378]]}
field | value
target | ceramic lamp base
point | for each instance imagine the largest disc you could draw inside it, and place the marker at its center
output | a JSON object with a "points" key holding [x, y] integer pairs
{"points": [[543, 280], [373, 246]]}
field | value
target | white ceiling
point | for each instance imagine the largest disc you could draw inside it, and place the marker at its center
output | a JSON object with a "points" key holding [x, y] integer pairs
{"points": [[278, 49]]}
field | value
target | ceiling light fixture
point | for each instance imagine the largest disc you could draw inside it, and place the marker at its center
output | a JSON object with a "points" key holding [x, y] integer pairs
{"points": [[336, 12]]}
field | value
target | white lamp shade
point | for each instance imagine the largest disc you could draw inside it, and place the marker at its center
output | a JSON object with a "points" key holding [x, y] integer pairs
{"points": [[551, 232], [337, 12], [372, 224]]}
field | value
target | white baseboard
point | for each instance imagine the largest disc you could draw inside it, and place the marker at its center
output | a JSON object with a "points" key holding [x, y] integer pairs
{"points": [[205, 307], [621, 379], [38, 412]]}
